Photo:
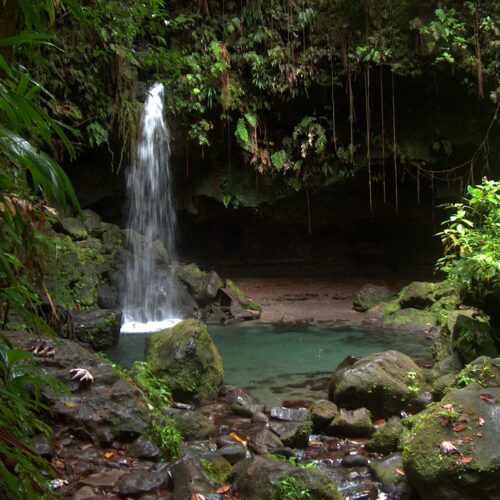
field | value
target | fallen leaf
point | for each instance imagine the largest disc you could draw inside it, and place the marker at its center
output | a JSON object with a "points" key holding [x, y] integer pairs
{"points": [[380, 421], [459, 428], [399, 472], [479, 434], [59, 464], [448, 448], [463, 460], [448, 407], [224, 489], [69, 404], [486, 397], [480, 421], [197, 496], [237, 438], [109, 455], [315, 444]]}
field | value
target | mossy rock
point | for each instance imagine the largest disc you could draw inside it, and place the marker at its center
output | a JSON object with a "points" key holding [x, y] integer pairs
{"points": [[471, 337], [483, 370], [74, 228], [322, 413], [413, 319], [352, 423], [442, 308], [193, 425], [368, 296], [241, 297], [385, 471], [387, 438], [100, 328], [379, 382], [203, 286], [187, 359], [421, 294], [216, 468], [306, 481], [468, 419], [293, 434]]}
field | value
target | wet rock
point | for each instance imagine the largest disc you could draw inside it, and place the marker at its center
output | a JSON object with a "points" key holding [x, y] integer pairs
{"points": [[43, 446], [92, 222], [73, 227], [141, 481], [421, 294], [387, 438], [216, 467], [194, 425], [352, 423], [107, 296], [189, 481], [145, 449], [197, 449], [232, 394], [262, 441], [236, 293], [202, 286], [106, 479], [259, 418], [159, 252], [466, 420], [188, 360], [389, 473], [294, 434], [471, 337], [85, 493], [368, 296], [412, 320], [380, 382], [354, 461], [233, 453], [322, 413], [285, 452], [290, 414], [100, 328], [246, 410]]}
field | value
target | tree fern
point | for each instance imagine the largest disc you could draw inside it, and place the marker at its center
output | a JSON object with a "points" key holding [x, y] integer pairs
{"points": [[242, 131]]}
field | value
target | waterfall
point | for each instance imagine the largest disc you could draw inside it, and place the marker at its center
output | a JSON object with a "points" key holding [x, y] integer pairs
{"points": [[149, 296]]}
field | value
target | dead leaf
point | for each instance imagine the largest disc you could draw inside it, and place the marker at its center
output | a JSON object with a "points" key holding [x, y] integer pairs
{"points": [[486, 397], [459, 428], [480, 421], [399, 472], [59, 464], [479, 434], [108, 455], [463, 460], [315, 444], [223, 489], [380, 421], [237, 438], [448, 447], [197, 496], [69, 404]]}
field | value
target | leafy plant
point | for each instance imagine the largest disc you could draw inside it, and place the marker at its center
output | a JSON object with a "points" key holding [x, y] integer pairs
{"points": [[289, 488], [471, 242]]}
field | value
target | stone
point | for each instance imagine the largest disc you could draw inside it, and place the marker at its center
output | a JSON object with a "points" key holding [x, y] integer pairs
{"points": [[389, 473], [322, 413], [92, 221], [247, 410], [354, 461], [290, 414], [352, 423], [141, 481], [412, 320], [259, 418], [216, 467], [106, 479], [73, 227], [99, 328], [385, 383], [194, 425], [421, 294], [145, 449], [202, 285], [262, 441], [370, 295], [466, 420], [107, 296], [197, 449], [387, 438], [43, 446], [233, 453], [159, 252], [293, 434], [190, 481], [186, 358], [236, 293], [85, 493], [471, 337]]}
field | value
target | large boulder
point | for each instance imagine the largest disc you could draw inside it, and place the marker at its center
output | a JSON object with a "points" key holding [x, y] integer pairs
{"points": [[352, 423], [203, 286], [471, 337], [99, 328], [187, 359], [385, 383], [370, 295], [452, 450], [421, 294]]}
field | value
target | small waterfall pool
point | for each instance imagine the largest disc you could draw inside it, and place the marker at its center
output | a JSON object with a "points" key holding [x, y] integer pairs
{"points": [[274, 362]]}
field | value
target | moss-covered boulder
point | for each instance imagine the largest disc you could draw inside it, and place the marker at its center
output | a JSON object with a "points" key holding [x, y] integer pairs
{"points": [[411, 319], [387, 438], [187, 359], [73, 227], [216, 468], [368, 296], [452, 452], [203, 286], [245, 301], [99, 328], [193, 424], [352, 423], [471, 337], [421, 294], [322, 413], [293, 434], [385, 383], [483, 370], [389, 473]]}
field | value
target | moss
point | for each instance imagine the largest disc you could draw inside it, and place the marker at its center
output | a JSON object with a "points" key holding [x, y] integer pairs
{"points": [[443, 306], [409, 316], [241, 297], [305, 483], [388, 438], [216, 468], [391, 307]]}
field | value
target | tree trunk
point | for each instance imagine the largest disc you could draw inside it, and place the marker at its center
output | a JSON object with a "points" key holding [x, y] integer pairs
{"points": [[9, 18]]}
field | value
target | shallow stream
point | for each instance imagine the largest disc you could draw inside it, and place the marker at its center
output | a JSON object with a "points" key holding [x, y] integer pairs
{"points": [[275, 362]]}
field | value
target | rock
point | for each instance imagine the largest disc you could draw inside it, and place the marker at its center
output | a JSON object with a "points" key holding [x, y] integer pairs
{"points": [[246, 302], [197, 449], [262, 478], [43, 446], [112, 241], [247, 410], [240, 306], [216, 468], [141, 481], [259, 418], [352, 423], [145, 449], [194, 425], [159, 252], [289, 414], [421, 294], [100, 328], [389, 473], [203, 286], [85, 493], [107, 296], [92, 222], [293, 434], [385, 383], [387, 438], [466, 420], [322, 413], [106, 479], [471, 337], [263, 441], [354, 461], [232, 394], [411, 320], [233, 453], [189, 481], [368, 296], [187, 359], [73, 227]]}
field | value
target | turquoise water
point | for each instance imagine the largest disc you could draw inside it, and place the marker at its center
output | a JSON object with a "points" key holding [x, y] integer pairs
{"points": [[277, 362]]}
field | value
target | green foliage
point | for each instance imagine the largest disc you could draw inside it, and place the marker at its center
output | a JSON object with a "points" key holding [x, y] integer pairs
{"points": [[472, 244], [289, 488]]}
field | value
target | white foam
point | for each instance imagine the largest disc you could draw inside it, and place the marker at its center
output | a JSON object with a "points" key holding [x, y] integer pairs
{"points": [[149, 327]]}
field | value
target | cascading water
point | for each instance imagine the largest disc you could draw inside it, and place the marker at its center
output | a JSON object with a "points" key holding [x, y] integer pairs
{"points": [[149, 298]]}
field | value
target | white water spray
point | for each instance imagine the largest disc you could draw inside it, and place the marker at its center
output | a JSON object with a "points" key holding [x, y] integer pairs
{"points": [[149, 299]]}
